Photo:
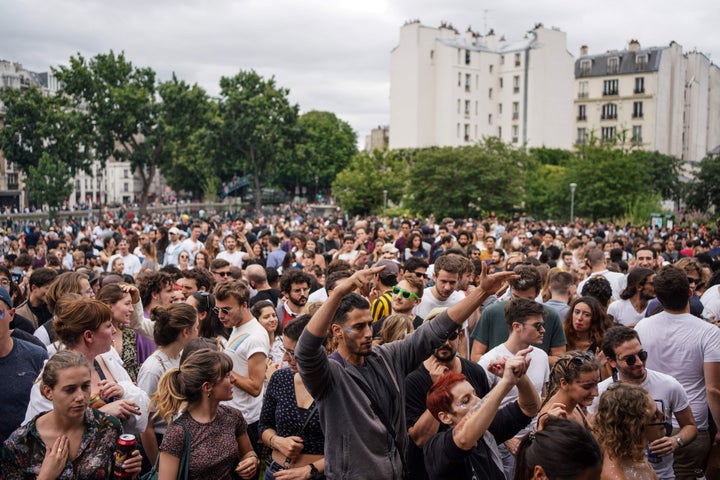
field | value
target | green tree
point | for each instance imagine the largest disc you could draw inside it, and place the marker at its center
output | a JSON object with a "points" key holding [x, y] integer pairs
{"points": [[37, 124], [49, 182], [120, 102], [661, 171], [188, 122], [258, 127], [705, 190], [452, 181], [547, 195], [325, 146], [359, 186]]}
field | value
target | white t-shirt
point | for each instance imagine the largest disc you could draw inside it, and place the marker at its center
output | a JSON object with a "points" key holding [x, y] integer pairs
{"points": [[235, 258], [429, 302], [624, 312], [712, 293], [319, 295], [660, 387], [245, 341], [618, 282], [678, 345], [148, 378], [131, 262]]}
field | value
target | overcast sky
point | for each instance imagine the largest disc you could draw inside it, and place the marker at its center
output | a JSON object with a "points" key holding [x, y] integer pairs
{"points": [[332, 55]]}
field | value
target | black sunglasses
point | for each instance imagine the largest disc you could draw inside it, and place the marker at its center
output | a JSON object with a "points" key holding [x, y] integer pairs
{"points": [[630, 359], [455, 334], [582, 357]]}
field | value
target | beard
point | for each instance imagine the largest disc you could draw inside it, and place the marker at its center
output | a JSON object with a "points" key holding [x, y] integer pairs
{"points": [[444, 353]]}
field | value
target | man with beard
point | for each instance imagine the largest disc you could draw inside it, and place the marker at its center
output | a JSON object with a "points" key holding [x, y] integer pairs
{"points": [[448, 269], [622, 348], [633, 303], [360, 388], [295, 287], [526, 322], [131, 262]]}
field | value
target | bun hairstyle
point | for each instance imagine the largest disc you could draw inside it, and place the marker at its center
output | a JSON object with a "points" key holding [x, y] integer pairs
{"points": [[170, 321], [184, 383], [75, 315], [568, 367]]}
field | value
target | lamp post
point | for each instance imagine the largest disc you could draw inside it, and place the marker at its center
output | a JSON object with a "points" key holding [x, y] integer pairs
{"points": [[573, 186], [384, 201]]}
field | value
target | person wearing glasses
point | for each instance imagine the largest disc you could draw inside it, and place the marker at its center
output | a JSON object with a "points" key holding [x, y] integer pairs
{"points": [[406, 295], [526, 322], [248, 347], [220, 269], [421, 423], [688, 349], [289, 420], [626, 422], [626, 356], [572, 387]]}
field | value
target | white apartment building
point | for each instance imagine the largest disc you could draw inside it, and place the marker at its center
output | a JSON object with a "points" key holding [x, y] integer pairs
{"points": [[658, 98], [114, 184], [452, 89]]}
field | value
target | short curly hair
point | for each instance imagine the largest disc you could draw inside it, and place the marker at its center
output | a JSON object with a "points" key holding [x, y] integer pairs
{"points": [[620, 421]]}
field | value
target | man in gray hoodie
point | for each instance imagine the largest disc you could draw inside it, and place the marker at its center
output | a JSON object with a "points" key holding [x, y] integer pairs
{"points": [[360, 388]]}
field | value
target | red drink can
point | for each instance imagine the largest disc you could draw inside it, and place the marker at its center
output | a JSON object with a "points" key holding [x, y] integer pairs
{"points": [[125, 446]]}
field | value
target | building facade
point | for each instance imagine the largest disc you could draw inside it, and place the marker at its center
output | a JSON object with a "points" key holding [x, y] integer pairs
{"points": [[452, 89], [655, 98]]}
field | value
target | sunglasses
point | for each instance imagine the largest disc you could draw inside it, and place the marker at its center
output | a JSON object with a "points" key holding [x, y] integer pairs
{"points": [[537, 326], [222, 274], [420, 275], [455, 334], [404, 293], [224, 310], [693, 280], [630, 359], [580, 358]]}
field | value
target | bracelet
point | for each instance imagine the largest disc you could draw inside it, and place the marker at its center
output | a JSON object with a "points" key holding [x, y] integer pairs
{"points": [[271, 439]]}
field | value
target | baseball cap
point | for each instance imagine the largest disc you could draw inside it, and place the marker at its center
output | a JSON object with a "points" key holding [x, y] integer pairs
{"points": [[5, 297], [174, 230]]}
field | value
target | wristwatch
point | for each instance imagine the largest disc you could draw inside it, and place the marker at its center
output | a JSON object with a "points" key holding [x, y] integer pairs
{"points": [[314, 472], [680, 441]]}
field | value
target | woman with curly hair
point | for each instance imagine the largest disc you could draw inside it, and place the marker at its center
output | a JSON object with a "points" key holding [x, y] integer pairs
{"points": [[627, 419], [572, 387]]}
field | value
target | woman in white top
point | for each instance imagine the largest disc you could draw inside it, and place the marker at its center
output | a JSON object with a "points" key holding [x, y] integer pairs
{"points": [[175, 326], [85, 326]]}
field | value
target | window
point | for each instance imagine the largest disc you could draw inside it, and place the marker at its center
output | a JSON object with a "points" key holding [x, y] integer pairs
{"points": [[613, 65], [459, 55], [489, 118], [637, 134], [500, 80], [609, 111], [125, 173], [490, 93], [607, 134], [126, 187], [517, 59], [432, 54], [458, 105], [637, 110], [500, 132], [515, 132], [499, 108], [585, 66], [458, 130], [582, 112], [476, 107], [12, 181], [467, 82], [502, 59], [467, 132], [467, 57], [515, 110], [491, 69], [516, 84], [467, 108], [641, 61], [582, 90], [639, 85], [610, 87], [581, 135], [459, 79]]}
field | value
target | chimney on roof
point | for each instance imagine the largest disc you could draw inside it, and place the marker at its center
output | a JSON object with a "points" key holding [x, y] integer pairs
{"points": [[583, 50], [634, 45]]}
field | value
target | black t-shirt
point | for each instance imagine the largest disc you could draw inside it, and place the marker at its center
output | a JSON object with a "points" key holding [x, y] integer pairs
{"points": [[271, 294], [444, 460], [417, 386], [42, 313]]}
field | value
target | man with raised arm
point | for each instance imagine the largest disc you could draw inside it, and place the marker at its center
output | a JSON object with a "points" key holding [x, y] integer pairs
{"points": [[360, 388]]}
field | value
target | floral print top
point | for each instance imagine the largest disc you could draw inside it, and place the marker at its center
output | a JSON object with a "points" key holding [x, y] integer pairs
{"points": [[24, 450], [129, 353]]}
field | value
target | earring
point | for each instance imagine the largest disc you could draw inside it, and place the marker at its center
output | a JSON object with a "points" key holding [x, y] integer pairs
{"points": [[209, 393]]}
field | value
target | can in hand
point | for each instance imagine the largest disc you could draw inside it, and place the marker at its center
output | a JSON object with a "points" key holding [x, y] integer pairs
{"points": [[125, 446]]}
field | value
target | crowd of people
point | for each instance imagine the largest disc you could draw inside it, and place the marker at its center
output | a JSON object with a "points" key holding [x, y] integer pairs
{"points": [[297, 347]]}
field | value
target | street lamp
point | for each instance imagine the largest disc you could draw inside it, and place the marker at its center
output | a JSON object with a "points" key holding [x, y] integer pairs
{"points": [[573, 186], [384, 201]]}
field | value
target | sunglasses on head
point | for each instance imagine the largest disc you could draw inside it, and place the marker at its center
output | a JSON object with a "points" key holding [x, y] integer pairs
{"points": [[582, 357], [404, 293], [630, 359]]}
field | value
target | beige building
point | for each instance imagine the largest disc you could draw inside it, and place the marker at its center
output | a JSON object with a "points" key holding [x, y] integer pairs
{"points": [[452, 89], [656, 98]]}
